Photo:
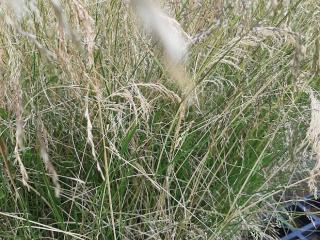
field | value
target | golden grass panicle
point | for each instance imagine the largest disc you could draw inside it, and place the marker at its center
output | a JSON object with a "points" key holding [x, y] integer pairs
{"points": [[42, 136], [90, 137], [15, 78]]}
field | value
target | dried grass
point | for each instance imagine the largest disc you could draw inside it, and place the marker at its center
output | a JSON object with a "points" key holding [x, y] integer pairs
{"points": [[42, 136], [88, 30], [18, 109], [170, 169], [64, 28], [90, 137], [313, 134]]}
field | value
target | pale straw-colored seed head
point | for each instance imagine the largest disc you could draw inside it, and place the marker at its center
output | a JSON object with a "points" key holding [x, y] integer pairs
{"points": [[314, 137], [64, 27], [44, 153], [300, 50], [90, 137], [18, 110], [316, 55], [88, 30], [22, 8]]}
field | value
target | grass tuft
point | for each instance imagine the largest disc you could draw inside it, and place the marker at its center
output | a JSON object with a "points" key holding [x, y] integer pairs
{"points": [[156, 120]]}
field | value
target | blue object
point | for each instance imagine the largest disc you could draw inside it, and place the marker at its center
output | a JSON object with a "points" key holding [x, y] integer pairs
{"points": [[306, 224]]}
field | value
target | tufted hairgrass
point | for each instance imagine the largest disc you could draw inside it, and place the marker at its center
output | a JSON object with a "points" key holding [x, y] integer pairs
{"points": [[111, 147]]}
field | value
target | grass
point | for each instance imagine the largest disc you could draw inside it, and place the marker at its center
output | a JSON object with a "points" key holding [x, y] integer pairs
{"points": [[200, 150]]}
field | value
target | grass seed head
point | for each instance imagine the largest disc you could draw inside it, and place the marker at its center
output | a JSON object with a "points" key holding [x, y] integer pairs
{"points": [[314, 137]]}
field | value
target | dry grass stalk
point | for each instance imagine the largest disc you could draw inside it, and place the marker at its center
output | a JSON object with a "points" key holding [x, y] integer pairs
{"points": [[2, 81], [33, 39], [15, 69], [88, 28], [106, 161], [6, 166], [300, 53], [15, 78], [174, 146], [313, 135], [14, 66], [42, 136], [161, 89], [90, 137], [201, 35], [63, 29], [63, 24], [316, 56]]}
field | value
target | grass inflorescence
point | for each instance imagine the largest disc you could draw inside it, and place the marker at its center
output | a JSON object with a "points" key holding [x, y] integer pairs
{"points": [[144, 120]]}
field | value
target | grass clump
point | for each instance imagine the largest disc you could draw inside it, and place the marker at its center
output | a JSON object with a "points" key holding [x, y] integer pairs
{"points": [[120, 124]]}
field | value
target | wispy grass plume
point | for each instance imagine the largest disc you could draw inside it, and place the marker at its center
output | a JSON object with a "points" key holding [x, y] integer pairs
{"points": [[174, 39], [313, 134]]}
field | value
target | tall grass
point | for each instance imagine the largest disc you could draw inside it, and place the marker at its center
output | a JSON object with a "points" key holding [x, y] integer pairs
{"points": [[186, 123]]}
